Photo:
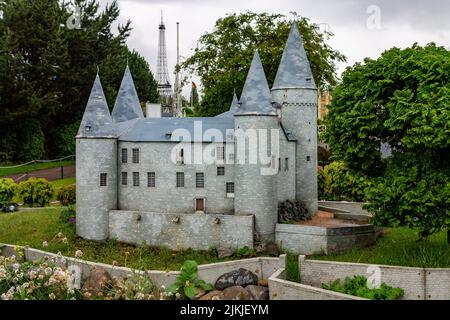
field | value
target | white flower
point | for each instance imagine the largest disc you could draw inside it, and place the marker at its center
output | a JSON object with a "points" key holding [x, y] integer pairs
{"points": [[139, 296], [60, 235], [25, 285], [16, 266], [78, 254], [64, 240], [177, 295], [52, 296], [45, 244]]}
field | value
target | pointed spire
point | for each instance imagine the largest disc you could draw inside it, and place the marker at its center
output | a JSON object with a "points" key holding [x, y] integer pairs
{"points": [[256, 97], [294, 70], [127, 106], [235, 104], [96, 114]]}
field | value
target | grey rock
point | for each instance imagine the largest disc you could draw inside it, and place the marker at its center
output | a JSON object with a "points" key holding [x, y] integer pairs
{"points": [[235, 293], [258, 292], [240, 277], [224, 252], [212, 295]]}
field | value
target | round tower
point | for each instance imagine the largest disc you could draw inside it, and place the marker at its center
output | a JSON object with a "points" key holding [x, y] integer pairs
{"points": [[96, 171], [96, 168], [295, 90], [256, 164]]}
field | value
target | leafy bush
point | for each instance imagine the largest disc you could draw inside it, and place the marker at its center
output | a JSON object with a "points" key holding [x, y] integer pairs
{"points": [[357, 286], [65, 139], [7, 190], [339, 183], [187, 282], [291, 211], [414, 193], [68, 216], [35, 192], [67, 195], [320, 184], [245, 252]]}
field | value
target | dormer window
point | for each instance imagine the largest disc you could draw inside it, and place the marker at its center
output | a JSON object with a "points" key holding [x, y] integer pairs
{"points": [[88, 128], [308, 80]]}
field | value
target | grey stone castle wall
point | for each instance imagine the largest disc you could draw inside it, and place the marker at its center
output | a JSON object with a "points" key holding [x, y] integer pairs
{"points": [[166, 197], [256, 193], [299, 114], [286, 179], [95, 156]]}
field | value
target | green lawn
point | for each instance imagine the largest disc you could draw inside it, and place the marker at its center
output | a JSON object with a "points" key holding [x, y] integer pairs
{"points": [[33, 167], [33, 227], [399, 246]]}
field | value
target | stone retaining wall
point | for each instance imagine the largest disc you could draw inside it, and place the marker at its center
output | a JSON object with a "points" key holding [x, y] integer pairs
{"points": [[418, 283], [281, 289], [181, 231], [304, 239], [263, 267]]}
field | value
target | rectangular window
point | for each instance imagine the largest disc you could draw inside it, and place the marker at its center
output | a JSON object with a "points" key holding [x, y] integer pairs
{"points": [[151, 180], [124, 155], [286, 164], [135, 179], [231, 157], [200, 180], [279, 164], [103, 180], [230, 188], [135, 155], [124, 178], [220, 171], [180, 179], [220, 153]]}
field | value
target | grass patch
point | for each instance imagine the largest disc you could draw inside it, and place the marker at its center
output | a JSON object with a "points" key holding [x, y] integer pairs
{"points": [[34, 167], [32, 228], [292, 272], [399, 246]]}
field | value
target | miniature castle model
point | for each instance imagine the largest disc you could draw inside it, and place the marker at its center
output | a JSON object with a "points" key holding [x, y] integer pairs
{"points": [[130, 189]]}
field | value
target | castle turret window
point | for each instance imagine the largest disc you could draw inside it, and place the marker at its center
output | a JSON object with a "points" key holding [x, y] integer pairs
{"points": [[135, 179], [124, 155], [135, 155], [103, 180], [151, 180], [124, 178], [180, 179], [200, 180], [286, 164], [220, 171]]}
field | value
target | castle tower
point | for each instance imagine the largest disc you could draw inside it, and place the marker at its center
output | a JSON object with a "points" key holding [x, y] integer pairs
{"points": [[162, 71], [96, 168], [295, 90], [255, 189]]}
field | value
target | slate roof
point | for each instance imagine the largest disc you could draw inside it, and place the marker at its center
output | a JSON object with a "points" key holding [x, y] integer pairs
{"points": [[96, 114], [256, 97], [294, 70], [127, 106], [162, 129]]}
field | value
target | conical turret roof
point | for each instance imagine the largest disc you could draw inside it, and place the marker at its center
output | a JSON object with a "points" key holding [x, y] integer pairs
{"points": [[294, 70], [234, 104], [127, 106], [96, 114], [256, 97]]}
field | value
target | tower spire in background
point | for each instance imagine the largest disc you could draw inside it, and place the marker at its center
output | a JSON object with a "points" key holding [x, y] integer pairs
{"points": [[162, 73]]}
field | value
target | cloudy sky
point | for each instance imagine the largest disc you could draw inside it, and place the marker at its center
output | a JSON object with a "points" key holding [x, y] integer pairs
{"points": [[362, 28]]}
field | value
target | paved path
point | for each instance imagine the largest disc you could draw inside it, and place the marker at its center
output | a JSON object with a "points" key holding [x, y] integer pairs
{"points": [[49, 174]]}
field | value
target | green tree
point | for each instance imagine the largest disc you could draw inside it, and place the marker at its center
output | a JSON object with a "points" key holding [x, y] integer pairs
{"points": [[47, 70], [223, 56], [401, 99]]}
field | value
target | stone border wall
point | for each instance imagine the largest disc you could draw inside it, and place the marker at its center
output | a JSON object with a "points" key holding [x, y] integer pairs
{"points": [[181, 231], [281, 289], [263, 267], [418, 283], [304, 239]]}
